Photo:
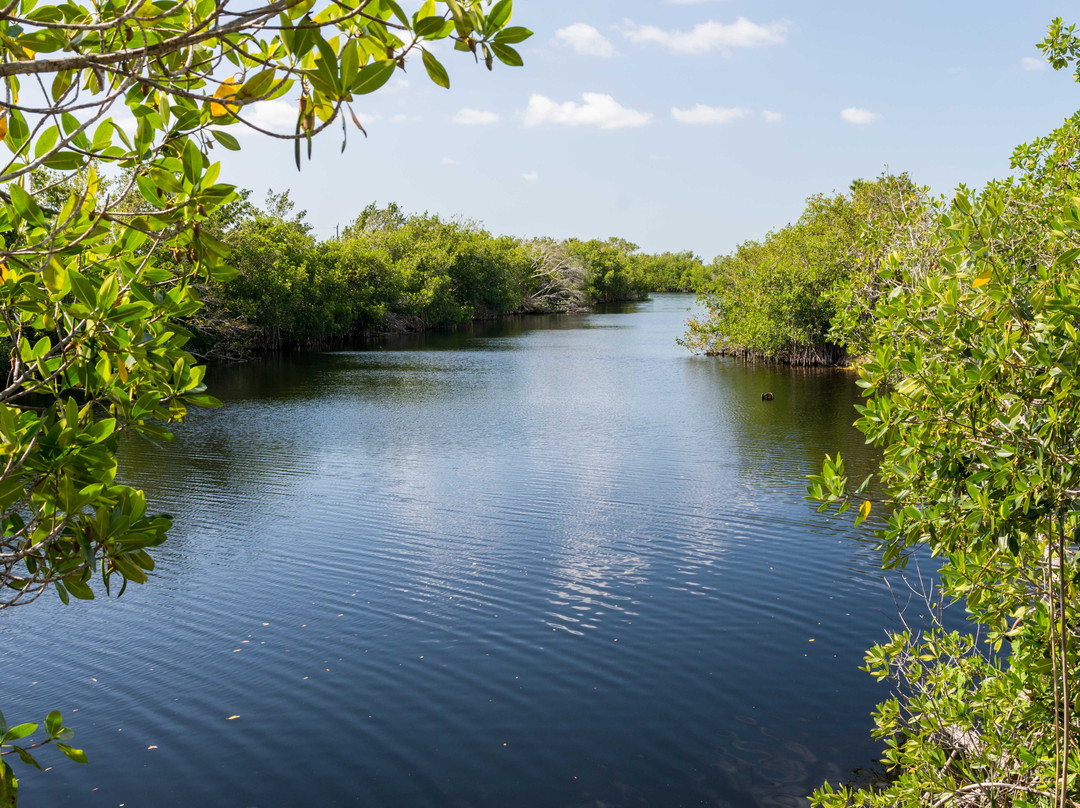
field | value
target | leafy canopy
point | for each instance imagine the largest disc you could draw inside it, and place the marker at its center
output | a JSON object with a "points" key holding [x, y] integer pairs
{"points": [[973, 392]]}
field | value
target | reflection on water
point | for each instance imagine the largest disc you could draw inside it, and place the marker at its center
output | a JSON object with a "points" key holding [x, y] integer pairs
{"points": [[541, 562]]}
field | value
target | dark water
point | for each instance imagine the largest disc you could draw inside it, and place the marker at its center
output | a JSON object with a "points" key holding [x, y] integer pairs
{"points": [[546, 563]]}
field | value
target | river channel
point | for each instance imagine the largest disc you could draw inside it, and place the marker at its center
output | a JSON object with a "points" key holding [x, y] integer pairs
{"points": [[544, 562]]}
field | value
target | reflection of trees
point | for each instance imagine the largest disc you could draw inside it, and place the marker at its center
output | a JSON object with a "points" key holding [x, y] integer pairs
{"points": [[785, 439]]}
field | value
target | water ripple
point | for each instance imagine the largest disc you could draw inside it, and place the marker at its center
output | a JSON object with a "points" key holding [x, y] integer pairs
{"points": [[560, 564]]}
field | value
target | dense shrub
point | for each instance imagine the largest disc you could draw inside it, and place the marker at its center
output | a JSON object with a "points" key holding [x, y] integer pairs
{"points": [[391, 270]]}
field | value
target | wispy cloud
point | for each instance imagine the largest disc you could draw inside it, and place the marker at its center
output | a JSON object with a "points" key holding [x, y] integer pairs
{"points": [[1031, 63], [399, 85], [702, 114], [711, 36], [689, 2], [585, 40], [772, 117], [598, 110], [449, 161], [475, 117], [530, 176], [279, 116], [859, 116]]}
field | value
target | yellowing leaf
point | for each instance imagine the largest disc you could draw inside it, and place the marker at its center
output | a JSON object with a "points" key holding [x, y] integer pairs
{"points": [[982, 280], [227, 91], [91, 182], [864, 510], [3, 127], [56, 279]]}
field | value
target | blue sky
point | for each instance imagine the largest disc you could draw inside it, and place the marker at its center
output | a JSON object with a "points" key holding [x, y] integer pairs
{"points": [[687, 125]]}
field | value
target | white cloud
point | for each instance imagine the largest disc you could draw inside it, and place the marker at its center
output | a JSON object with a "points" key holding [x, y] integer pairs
{"points": [[688, 2], [858, 116], [1031, 63], [710, 36], [702, 114], [585, 40], [772, 117], [401, 117], [449, 161], [530, 176], [475, 117], [598, 110], [398, 85], [278, 116]]}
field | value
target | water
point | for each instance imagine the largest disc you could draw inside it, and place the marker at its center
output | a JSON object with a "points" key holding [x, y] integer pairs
{"points": [[550, 562]]}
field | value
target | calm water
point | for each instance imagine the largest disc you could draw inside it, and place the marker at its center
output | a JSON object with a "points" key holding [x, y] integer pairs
{"points": [[556, 562]]}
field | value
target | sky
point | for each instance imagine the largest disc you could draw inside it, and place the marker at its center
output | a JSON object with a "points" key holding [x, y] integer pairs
{"points": [[685, 124]]}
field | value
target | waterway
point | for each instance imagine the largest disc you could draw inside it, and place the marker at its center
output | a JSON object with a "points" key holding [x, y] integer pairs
{"points": [[545, 562]]}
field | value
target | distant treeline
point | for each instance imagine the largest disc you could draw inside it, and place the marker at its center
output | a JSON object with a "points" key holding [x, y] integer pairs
{"points": [[389, 270]]}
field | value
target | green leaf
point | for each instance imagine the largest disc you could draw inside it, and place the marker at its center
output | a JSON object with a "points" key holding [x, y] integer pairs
{"points": [[17, 131], [25, 206], [429, 26], [64, 161], [78, 755], [9, 786], [350, 63], [192, 162], [71, 126], [78, 589], [61, 84], [512, 35], [18, 731], [55, 278], [499, 15], [46, 141], [327, 64], [226, 140], [27, 758], [426, 10], [202, 400], [463, 27], [258, 85], [130, 571], [54, 722], [396, 9], [150, 192], [507, 55], [435, 70], [373, 76]]}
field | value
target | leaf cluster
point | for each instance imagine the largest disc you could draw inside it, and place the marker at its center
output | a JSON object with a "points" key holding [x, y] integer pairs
{"points": [[972, 379], [389, 269], [778, 299]]}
